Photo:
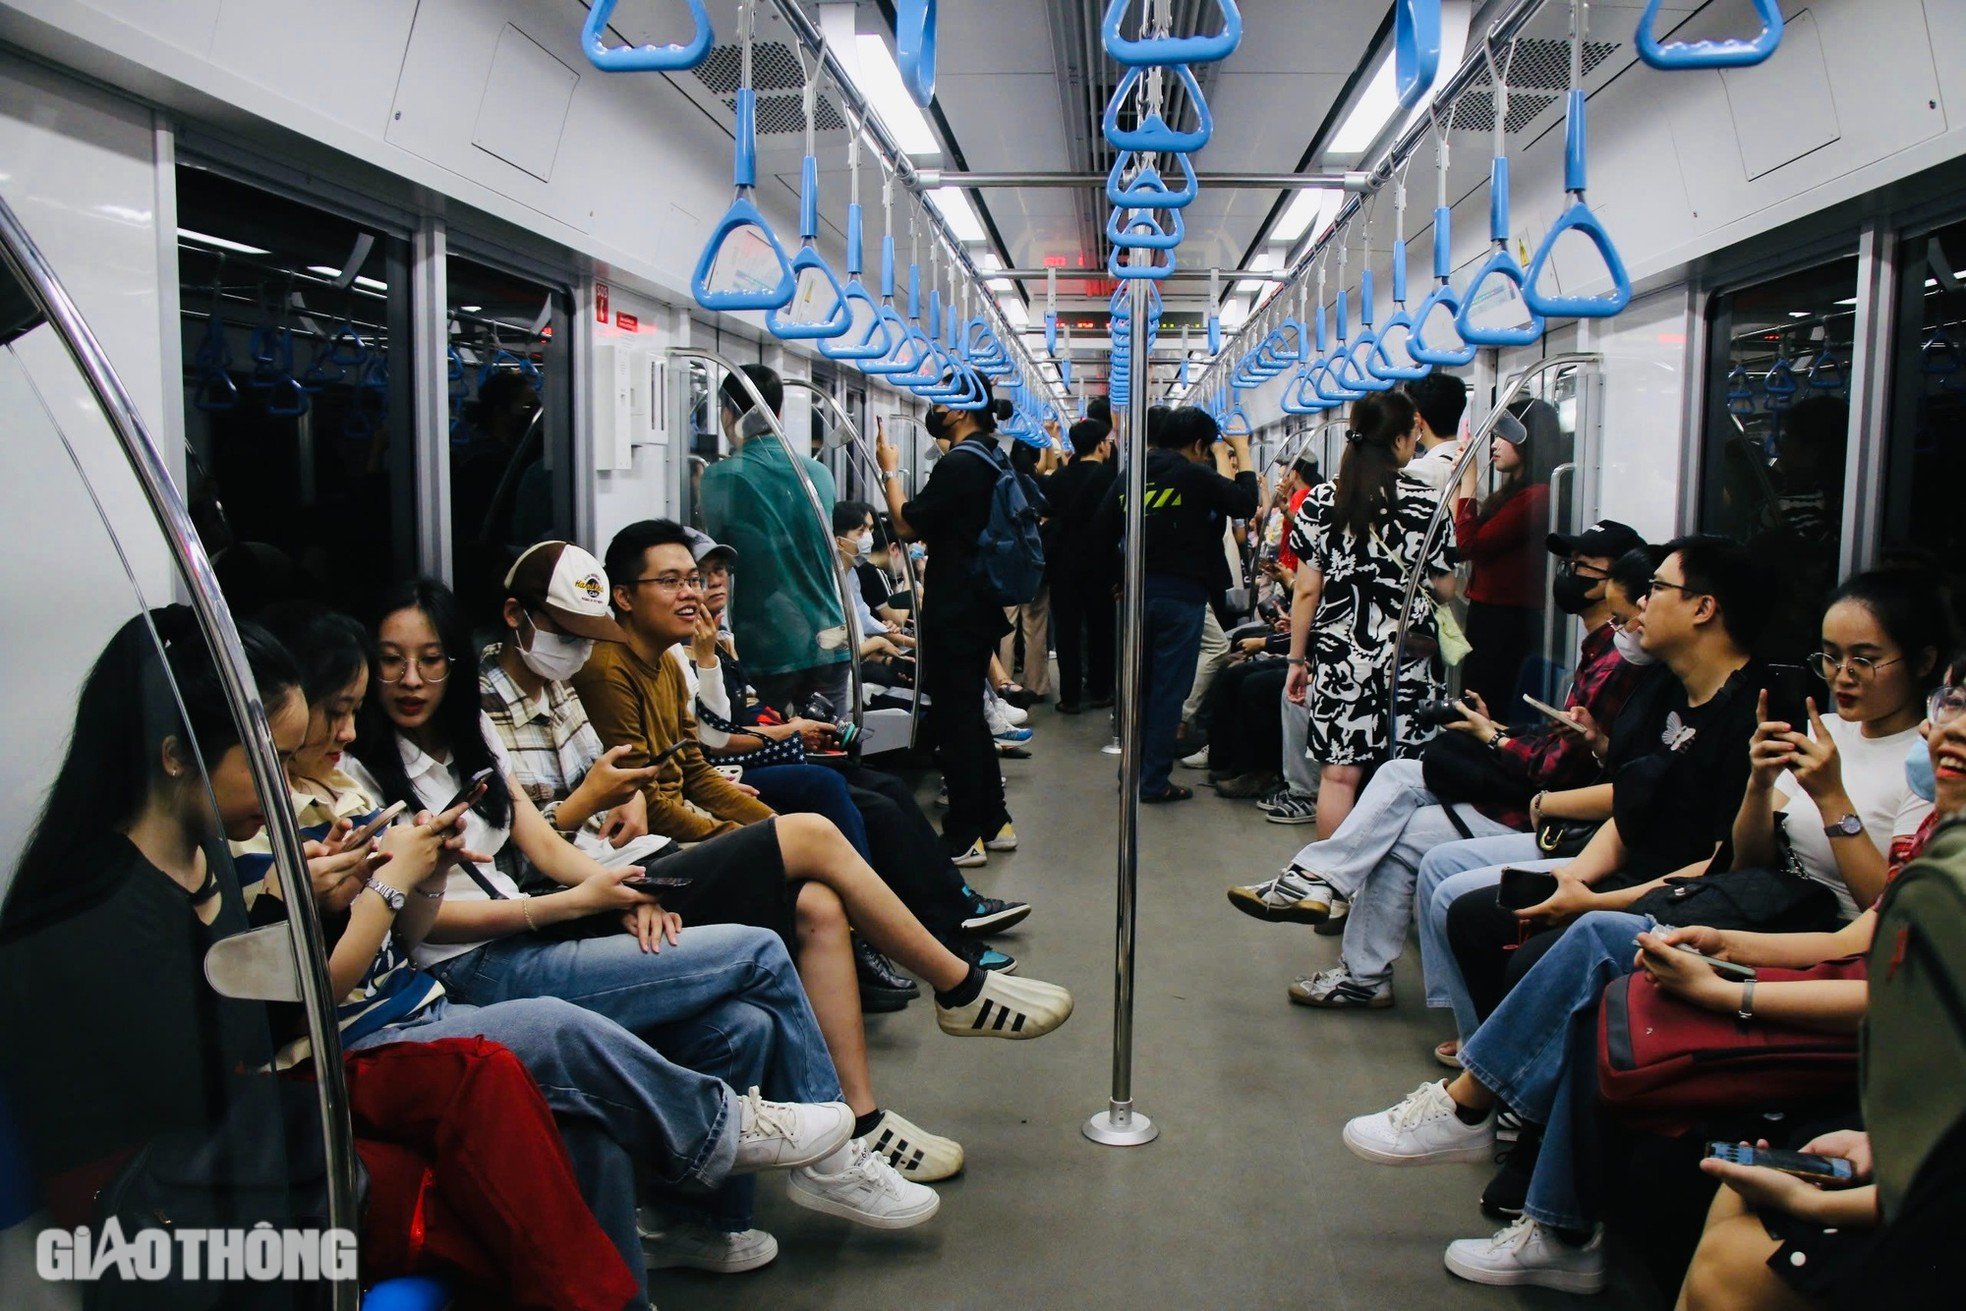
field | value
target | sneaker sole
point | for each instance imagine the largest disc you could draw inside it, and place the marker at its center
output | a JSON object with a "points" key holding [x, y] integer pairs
{"points": [[1001, 846], [998, 922], [969, 862], [1446, 1156], [1273, 817], [1380, 1003], [1563, 1281], [1296, 913], [801, 1195], [764, 1256]]}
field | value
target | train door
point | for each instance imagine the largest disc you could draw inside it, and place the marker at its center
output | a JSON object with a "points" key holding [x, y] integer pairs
{"points": [[137, 1035], [1925, 459]]}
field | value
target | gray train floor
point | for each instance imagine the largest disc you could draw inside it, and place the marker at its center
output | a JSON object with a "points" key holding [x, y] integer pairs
{"points": [[1248, 1198]]}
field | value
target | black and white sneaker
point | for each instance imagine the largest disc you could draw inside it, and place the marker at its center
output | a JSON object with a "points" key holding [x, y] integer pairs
{"points": [[1508, 1126], [1336, 990], [1333, 925], [991, 914], [914, 1151], [1291, 808], [1008, 1007]]}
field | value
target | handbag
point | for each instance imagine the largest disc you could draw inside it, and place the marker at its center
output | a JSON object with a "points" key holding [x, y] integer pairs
{"points": [[1659, 1056], [1564, 838], [1756, 899], [1455, 767]]}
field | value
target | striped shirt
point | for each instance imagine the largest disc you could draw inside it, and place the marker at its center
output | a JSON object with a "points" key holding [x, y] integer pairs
{"points": [[548, 741]]}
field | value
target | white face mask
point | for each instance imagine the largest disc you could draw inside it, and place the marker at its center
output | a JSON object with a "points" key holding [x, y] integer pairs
{"points": [[863, 546], [555, 657], [1628, 647]]}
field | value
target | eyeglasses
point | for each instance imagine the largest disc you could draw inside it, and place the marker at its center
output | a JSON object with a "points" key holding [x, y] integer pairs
{"points": [[1656, 583], [390, 667], [673, 583], [1862, 668], [1945, 704]]}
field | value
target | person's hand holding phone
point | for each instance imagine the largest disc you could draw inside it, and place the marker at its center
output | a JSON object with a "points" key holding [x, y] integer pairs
{"points": [[1474, 720], [1771, 750], [1817, 767], [337, 876], [608, 784], [603, 890], [1684, 975], [1573, 898], [1764, 1189], [1586, 726]]}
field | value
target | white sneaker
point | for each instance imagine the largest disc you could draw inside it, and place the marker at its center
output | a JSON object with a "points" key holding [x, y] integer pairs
{"points": [[780, 1135], [1008, 1007], [1012, 714], [914, 1151], [1336, 990], [972, 858], [1528, 1253], [869, 1192], [1421, 1130], [669, 1244], [1005, 839], [1199, 760], [1292, 895]]}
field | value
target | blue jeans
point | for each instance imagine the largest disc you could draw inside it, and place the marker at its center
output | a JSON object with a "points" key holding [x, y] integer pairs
{"points": [[1173, 647], [1373, 858], [1538, 1053], [627, 1116], [724, 1001], [1449, 870]]}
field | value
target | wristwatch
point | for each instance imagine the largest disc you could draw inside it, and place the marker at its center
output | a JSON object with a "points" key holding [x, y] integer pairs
{"points": [[1850, 826], [393, 897]]}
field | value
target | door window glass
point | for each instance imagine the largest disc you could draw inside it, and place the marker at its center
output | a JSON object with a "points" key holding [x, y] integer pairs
{"points": [[1927, 460]]}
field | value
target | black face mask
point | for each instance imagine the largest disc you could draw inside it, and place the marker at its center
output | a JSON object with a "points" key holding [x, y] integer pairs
{"points": [[937, 423], [1572, 592]]}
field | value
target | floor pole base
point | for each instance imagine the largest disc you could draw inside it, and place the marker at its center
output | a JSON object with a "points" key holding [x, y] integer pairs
{"points": [[1120, 1126]]}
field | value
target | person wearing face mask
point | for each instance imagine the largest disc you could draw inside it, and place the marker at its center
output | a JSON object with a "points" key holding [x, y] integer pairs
{"points": [[960, 625], [880, 643], [1405, 812]]}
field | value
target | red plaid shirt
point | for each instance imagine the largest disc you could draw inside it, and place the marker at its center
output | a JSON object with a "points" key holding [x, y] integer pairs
{"points": [[1551, 761]]}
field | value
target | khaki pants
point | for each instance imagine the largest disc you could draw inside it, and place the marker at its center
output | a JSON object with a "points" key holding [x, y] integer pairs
{"points": [[1034, 622]]}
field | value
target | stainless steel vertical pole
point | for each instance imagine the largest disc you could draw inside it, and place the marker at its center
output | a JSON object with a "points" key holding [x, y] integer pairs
{"points": [[1119, 1125]]}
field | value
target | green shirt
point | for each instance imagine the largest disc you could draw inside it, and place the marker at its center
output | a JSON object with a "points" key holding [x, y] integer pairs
{"points": [[784, 598]]}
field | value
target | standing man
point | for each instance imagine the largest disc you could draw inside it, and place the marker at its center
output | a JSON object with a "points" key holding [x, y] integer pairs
{"points": [[1184, 512], [1441, 399], [960, 624], [1081, 603]]}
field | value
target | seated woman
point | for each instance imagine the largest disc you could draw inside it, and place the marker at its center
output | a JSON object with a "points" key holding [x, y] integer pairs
{"points": [[883, 644], [1536, 1053], [794, 875]]}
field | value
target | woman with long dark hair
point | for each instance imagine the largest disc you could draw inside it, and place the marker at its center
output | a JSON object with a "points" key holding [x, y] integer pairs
{"points": [[1357, 537], [1502, 536]]}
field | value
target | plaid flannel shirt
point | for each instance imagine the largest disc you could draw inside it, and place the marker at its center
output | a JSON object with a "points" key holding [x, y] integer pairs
{"points": [[550, 742]]}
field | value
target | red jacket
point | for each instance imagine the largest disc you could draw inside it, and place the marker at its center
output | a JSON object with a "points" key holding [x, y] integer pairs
{"points": [[1507, 548]]}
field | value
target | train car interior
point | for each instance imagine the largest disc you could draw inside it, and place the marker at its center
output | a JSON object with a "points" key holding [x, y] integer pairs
{"points": [[595, 584]]}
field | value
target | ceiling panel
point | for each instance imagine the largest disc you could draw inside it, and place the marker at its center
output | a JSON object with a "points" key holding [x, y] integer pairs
{"points": [[1005, 121], [999, 36]]}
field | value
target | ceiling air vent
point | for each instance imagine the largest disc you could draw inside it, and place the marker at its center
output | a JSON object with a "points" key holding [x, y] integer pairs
{"points": [[773, 68], [1538, 75]]}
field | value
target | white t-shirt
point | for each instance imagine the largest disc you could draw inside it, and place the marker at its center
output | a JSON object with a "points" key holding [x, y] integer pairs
{"points": [[436, 782], [1874, 778], [1433, 467]]}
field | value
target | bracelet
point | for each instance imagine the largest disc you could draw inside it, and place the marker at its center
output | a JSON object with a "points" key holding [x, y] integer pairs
{"points": [[887, 474], [438, 895], [525, 908], [1536, 804], [1298, 660], [1746, 1012]]}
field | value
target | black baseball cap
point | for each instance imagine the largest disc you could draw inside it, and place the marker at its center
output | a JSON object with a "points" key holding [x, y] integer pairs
{"points": [[1606, 538]]}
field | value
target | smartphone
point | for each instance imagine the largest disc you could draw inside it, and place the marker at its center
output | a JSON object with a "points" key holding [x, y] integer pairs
{"points": [[1816, 1169], [469, 791], [657, 884], [1729, 969], [1563, 721], [1788, 690], [1522, 888], [361, 835]]}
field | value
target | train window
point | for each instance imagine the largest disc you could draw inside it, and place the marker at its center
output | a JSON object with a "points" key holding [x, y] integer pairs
{"points": [[1777, 426], [1928, 400], [128, 1085], [511, 427], [296, 404]]}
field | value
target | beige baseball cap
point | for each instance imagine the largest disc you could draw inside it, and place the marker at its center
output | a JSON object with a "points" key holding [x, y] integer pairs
{"points": [[568, 584]]}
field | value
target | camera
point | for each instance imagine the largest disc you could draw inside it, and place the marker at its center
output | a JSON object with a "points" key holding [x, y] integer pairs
{"points": [[1437, 714], [820, 708]]}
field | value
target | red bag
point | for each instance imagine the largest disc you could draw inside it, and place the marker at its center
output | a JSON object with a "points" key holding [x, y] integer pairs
{"points": [[1660, 1056]]}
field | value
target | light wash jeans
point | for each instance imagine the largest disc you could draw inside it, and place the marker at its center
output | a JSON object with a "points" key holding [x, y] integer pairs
{"points": [[725, 1001], [1214, 653], [1538, 1053], [627, 1116], [1299, 770], [1449, 870], [1374, 856]]}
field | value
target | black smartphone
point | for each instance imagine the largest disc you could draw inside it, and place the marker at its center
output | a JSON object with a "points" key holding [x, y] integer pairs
{"points": [[1816, 1169], [469, 790], [1789, 687], [1522, 888], [657, 884]]}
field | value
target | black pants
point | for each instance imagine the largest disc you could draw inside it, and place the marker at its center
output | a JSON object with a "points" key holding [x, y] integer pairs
{"points": [[1490, 949], [907, 852], [1244, 717], [1082, 631], [1500, 638], [955, 670]]}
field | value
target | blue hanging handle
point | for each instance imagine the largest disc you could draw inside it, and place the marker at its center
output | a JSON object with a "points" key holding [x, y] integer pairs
{"points": [[272, 351], [346, 349], [1140, 230], [1147, 190], [874, 342], [1779, 387], [1442, 297], [375, 374], [216, 391], [1938, 357], [1740, 392], [1826, 371], [286, 398], [1131, 272], [1709, 54], [1501, 264], [323, 372], [1577, 218], [1416, 49], [914, 47], [644, 59], [1171, 49], [779, 322], [1152, 132], [741, 214], [1214, 334], [1380, 364]]}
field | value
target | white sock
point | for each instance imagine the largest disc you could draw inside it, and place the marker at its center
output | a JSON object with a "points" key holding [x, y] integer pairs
{"points": [[841, 1158]]}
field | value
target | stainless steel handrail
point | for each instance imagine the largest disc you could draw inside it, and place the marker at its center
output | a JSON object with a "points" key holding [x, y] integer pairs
{"points": [[37, 276], [820, 511], [872, 467], [1476, 444]]}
